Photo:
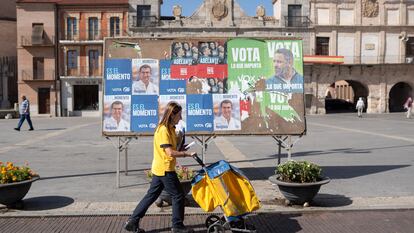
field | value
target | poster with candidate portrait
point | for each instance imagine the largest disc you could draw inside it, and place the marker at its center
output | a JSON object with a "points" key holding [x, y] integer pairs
{"points": [[116, 116], [184, 53], [144, 113], [145, 76], [181, 100], [268, 76], [199, 113], [226, 112]]}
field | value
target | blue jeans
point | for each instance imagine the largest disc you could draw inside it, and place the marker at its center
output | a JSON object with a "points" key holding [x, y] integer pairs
{"points": [[172, 186], [22, 118]]}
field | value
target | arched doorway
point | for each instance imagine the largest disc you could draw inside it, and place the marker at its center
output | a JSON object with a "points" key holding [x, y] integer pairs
{"points": [[398, 95], [342, 96]]}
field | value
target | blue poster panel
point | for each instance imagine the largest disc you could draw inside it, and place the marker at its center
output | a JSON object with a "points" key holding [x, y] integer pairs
{"points": [[117, 77], [144, 114], [199, 113], [170, 86], [181, 100]]}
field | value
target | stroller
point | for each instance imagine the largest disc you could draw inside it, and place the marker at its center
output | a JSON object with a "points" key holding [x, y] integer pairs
{"points": [[221, 184]]}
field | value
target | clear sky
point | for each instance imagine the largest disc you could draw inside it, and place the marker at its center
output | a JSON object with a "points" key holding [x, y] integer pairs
{"points": [[189, 6]]}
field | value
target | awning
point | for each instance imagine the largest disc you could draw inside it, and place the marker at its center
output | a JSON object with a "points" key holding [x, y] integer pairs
{"points": [[323, 59]]}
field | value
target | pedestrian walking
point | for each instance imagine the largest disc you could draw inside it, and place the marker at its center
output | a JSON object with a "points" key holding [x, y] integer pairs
{"points": [[409, 106], [24, 111], [164, 175], [360, 106]]}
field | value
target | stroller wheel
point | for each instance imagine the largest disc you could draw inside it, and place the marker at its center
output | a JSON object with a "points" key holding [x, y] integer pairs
{"points": [[211, 220], [216, 228]]}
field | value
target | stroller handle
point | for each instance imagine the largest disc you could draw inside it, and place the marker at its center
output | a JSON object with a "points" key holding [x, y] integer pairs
{"points": [[199, 161]]}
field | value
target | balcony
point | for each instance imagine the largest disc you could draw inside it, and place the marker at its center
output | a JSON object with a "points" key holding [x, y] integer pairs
{"points": [[145, 21], [39, 75], [32, 40], [86, 35], [297, 21], [81, 71]]}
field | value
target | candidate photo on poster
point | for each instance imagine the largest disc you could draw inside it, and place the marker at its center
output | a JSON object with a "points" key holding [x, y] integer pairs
{"points": [[227, 115], [184, 53], [285, 79], [116, 114], [145, 73], [212, 52]]}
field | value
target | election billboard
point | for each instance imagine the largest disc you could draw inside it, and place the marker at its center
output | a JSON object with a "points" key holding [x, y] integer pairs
{"points": [[240, 86]]}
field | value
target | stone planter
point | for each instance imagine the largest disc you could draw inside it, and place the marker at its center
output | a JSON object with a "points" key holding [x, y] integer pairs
{"points": [[299, 193], [11, 194], [165, 197]]}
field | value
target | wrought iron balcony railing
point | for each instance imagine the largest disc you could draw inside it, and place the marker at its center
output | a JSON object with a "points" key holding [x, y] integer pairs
{"points": [[37, 41], [145, 21], [38, 75], [81, 71], [297, 21], [91, 35]]}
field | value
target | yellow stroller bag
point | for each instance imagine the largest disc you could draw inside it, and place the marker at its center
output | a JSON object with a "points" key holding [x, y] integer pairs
{"points": [[221, 184]]}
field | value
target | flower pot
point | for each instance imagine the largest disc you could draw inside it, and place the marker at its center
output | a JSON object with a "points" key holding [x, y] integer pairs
{"points": [[165, 197], [12, 193], [298, 193]]}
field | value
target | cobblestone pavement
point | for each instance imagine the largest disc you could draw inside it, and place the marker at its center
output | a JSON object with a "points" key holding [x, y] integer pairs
{"points": [[375, 221]]}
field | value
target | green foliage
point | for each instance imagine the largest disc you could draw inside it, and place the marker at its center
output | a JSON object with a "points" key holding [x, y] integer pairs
{"points": [[10, 173], [183, 173], [299, 172]]}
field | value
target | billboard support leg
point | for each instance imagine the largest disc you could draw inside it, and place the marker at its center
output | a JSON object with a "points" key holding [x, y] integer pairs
{"points": [[203, 142], [281, 141], [122, 145]]}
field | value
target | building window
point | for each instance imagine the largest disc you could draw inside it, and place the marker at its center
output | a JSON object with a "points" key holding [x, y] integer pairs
{"points": [[93, 28], [72, 28], [143, 15], [38, 68], [93, 62], [322, 46], [72, 62], [294, 16], [114, 27], [37, 33], [409, 50], [86, 97]]}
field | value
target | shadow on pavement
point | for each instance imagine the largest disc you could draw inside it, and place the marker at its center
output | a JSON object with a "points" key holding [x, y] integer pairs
{"points": [[46, 203], [51, 129], [279, 222], [329, 200], [333, 172]]}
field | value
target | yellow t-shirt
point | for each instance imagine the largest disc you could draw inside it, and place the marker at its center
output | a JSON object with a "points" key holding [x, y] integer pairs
{"points": [[164, 137]]}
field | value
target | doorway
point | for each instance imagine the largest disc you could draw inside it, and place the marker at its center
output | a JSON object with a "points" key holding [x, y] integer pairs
{"points": [[44, 100], [398, 95]]}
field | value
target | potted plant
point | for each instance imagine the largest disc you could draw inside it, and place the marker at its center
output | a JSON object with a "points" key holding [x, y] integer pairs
{"points": [[185, 174], [299, 181], [15, 182]]}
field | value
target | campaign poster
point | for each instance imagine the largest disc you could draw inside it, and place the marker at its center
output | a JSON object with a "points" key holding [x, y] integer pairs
{"points": [[117, 77], [145, 76], [199, 113], [116, 115], [184, 53], [226, 112], [181, 100], [212, 52], [144, 113], [268, 76], [170, 86]]}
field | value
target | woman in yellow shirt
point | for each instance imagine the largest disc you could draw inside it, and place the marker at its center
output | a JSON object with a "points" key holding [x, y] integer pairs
{"points": [[164, 175]]}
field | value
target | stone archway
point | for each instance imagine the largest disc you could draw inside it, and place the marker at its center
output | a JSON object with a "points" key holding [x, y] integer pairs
{"points": [[342, 96], [398, 95]]}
